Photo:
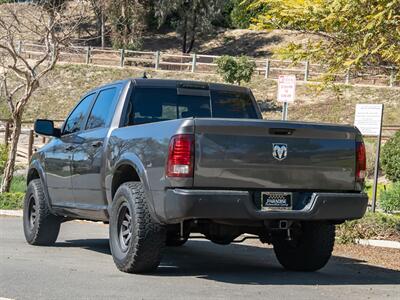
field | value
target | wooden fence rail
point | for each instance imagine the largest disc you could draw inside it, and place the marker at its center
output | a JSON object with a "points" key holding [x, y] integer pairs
{"points": [[201, 63]]}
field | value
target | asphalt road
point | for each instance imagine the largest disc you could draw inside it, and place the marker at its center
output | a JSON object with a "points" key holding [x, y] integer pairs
{"points": [[80, 266]]}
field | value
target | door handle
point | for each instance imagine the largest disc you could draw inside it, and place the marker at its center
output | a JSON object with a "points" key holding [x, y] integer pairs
{"points": [[97, 144], [70, 148]]}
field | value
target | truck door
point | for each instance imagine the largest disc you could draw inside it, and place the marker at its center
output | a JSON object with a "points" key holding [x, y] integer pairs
{"points": [[87, 161], [59, 158]]}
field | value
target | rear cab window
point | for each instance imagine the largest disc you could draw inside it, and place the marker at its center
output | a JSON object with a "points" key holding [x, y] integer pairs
{"points": [[152, 104]]}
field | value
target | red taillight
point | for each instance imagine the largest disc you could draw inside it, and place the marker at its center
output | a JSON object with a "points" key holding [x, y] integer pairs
{"points": [[180, 156], [361, 161]]}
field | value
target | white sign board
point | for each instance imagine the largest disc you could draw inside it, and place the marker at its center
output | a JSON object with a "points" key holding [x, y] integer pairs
{"points": [[368, 118], [286, 88]]}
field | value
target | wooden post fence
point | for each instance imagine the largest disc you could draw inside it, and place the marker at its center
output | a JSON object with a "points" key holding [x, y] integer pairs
{"points": [[306, 71], [392, 77], [122, 58], [194, 58], [347, 79], [267, 68], [272, 68], [88, 55], [157, 60]]}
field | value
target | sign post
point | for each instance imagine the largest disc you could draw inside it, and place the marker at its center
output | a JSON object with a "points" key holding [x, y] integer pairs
{"points": [[368, 120], [286, 92]]}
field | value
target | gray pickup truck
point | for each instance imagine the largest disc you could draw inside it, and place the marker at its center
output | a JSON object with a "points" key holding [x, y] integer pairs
{"points": [[161, 159]]}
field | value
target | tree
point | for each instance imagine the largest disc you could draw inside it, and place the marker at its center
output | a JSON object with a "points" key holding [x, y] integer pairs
{"points": [[127, 19], [235, 70], [242, 15], [99, 8], [20, 76], [190, 17], [346, 34]]}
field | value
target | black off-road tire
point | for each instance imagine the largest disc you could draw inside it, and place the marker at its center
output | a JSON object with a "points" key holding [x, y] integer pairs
{"points": [[312, 249], [41, 227], [141, 252]]}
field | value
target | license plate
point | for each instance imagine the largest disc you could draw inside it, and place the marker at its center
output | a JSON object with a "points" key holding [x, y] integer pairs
{"points": [[276, 201]]}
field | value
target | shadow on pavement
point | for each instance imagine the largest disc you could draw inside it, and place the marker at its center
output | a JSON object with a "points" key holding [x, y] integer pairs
{"points": [[245, 264]]}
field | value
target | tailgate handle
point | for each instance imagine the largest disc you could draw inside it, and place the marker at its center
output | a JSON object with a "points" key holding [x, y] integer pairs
{"points": [[281, 131]]}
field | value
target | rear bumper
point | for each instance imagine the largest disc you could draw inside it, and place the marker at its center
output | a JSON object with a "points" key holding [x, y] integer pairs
{"points": [[183, 204]]}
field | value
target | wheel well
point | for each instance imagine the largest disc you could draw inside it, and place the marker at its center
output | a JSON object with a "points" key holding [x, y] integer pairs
{"points": [[32, 174], [123, 174]]}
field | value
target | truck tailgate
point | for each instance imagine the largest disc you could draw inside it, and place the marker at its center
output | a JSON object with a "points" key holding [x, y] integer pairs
{"points": [[259, 154]]}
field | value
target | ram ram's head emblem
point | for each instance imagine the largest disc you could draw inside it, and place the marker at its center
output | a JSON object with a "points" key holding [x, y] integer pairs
{"points": [[279, 151]]}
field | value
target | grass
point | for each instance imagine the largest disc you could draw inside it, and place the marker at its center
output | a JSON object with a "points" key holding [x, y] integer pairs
{"points": [[63, 87], [15, 198], [18, 184]]}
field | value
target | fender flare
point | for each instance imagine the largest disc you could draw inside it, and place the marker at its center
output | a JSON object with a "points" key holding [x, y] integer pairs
{"points": [[37, 165], [133, 161]]}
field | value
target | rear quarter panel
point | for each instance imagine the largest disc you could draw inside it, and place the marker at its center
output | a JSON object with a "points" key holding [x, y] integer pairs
{"points": [[145, 147]]}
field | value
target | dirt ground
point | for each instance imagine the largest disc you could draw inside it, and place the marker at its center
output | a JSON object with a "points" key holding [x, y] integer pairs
{"points": [[385, 257], [378, 256]]}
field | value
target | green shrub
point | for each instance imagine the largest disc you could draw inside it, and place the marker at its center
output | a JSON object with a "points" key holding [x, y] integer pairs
{"points": [[235, 70], [390, 199], [12, 200], [3, 157], [371, 226], [390, 157]]}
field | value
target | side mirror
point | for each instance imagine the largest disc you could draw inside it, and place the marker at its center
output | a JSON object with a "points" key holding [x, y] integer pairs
{"points": [[46, 127]]}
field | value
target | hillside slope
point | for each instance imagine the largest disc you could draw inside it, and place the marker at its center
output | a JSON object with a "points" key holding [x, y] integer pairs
{"points": [[60, 90]]}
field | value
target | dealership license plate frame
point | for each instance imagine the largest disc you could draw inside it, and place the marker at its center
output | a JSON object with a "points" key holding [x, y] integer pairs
{"points": [[287, 205]]}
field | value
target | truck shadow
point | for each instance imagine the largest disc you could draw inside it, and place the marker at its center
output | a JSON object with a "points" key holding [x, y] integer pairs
{"points": [[246, 264]]}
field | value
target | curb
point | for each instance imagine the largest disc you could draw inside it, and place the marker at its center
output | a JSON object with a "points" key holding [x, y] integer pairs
{"points": [[12, 213], [379, 243]]}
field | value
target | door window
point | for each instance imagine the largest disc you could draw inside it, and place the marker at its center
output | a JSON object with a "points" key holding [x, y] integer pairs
{"points": [[76, 120], [103, 110]]}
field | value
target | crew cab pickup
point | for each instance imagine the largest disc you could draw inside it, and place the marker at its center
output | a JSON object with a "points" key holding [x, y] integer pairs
{"points": [[160, 160]]}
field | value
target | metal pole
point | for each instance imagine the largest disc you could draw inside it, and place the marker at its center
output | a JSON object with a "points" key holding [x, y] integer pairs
{"points": [[378, 152], [157, 61], [194, 62], [285, 111], [267, 68]]}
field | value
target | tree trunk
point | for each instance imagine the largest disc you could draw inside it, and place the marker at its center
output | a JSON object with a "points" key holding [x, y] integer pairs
{"points": [[184, 36], [12, 155], [193, 38]]}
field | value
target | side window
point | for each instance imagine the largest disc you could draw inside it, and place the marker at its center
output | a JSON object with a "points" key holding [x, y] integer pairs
{"points": [[76, 120], [103, 110]]}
